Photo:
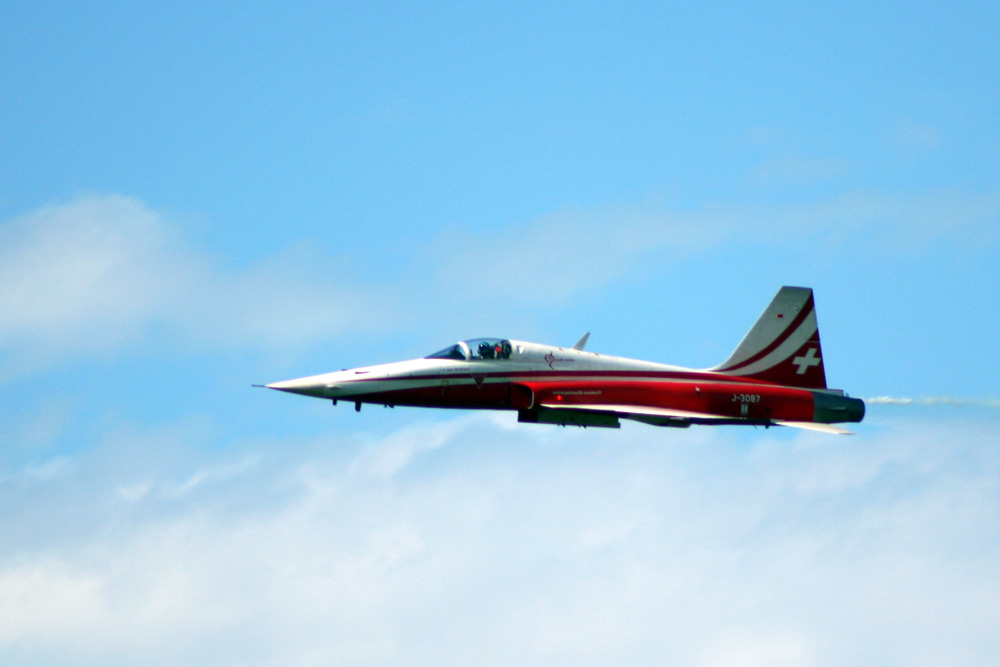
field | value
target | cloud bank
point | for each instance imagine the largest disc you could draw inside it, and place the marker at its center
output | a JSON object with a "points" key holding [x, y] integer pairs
{"points": [[476, 541], [105, 272]]}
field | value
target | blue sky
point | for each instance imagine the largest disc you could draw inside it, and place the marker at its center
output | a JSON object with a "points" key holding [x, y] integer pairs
{"points": [[201, 197]]}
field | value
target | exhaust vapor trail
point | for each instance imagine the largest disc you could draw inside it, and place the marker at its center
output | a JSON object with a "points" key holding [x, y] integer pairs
{"points": [[936, 400]]}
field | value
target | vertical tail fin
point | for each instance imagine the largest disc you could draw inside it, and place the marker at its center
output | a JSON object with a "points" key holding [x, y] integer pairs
{"points": [[783, 346]]}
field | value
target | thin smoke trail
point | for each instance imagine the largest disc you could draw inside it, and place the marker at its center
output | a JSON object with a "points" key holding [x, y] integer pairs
{"points": [[936, 400]]}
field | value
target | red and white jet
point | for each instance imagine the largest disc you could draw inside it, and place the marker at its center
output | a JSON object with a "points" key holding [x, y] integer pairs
{"points": [[775, 377]]}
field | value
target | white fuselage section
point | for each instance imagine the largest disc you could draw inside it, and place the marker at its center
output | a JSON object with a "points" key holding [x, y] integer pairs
{"points": [[527, 361]]}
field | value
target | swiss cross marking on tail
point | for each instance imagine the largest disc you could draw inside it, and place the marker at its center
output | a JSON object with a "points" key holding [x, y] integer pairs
{"points": [[806, 362]]}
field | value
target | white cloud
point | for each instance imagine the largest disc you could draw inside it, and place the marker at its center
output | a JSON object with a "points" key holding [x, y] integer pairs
{"points": [[39, 428], [103, 273], [85, 274], [563, 254], [573, 252], [465, 541], [294, 297], [100, 272]]}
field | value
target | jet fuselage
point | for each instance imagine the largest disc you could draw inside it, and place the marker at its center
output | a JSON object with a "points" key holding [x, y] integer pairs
{"points": [[571, 386]]}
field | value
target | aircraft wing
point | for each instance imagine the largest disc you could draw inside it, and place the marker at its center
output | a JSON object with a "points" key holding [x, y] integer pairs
{"points": [[688, 416], [816, 426], [636, 410]]}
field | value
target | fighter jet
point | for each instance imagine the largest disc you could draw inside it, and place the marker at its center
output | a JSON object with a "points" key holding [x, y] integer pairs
{"points": [[775, 377]]}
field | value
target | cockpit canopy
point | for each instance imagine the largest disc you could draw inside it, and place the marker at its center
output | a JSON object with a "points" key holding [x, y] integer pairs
{"points": [[477, 349]]}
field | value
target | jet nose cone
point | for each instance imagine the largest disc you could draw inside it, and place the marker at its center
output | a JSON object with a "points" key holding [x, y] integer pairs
{"points": [[309, 386]]}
